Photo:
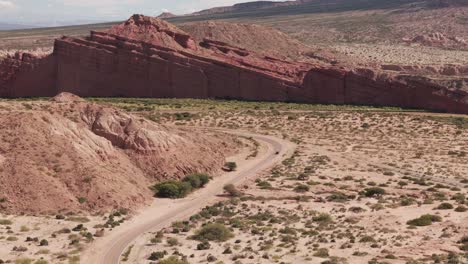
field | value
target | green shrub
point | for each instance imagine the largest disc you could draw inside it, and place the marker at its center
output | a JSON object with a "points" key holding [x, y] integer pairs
{"points": [[172, 241], [43, 243], [23, 261], [321, 253], [374, 191], [157, 255], [323, 218], [460, 209], [301, 188], [179, 189], [338, 197], [197, 180], [367, 239], [213, 232], [264, 185], [444, 206], [424, 220], [203, 245], [173, 260], [5, 222], [172, 189]]}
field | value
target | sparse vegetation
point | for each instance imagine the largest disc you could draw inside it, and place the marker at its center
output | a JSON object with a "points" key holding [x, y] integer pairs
{"points": [[180, 189], [213, 232], [425, 220]]}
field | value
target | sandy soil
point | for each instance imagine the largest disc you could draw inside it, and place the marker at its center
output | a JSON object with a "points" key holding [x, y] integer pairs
{"points": [[402, 54], [314, 208]]}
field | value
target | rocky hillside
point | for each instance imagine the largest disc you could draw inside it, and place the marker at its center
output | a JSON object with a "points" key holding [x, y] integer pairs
{"points": [[263, 40], [71, 155]]}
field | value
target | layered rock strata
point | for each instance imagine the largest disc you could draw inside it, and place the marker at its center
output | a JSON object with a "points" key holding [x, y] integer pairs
{"points": [[147, 57]]}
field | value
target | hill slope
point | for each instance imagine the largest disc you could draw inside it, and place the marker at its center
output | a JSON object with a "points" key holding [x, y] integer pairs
{"points": [[74, 155], [253, 37]]}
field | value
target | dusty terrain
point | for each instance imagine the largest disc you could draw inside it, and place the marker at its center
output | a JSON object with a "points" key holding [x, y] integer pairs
{"points": [[310, 208], [314, 206]]}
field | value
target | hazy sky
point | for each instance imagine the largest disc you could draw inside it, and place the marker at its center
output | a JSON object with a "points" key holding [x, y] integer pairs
{"points": [[47, 11]]}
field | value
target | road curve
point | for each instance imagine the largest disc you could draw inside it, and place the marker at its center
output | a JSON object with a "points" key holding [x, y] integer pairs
{"points": [[163, 212]]}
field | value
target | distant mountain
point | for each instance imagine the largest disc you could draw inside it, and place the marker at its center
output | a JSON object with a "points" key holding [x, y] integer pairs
{"points": [[8, 26], [166, 15], [247, 6], [325, 4]]}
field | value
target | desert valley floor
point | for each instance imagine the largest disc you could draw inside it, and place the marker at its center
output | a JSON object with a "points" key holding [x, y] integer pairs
{"points": [[355, 185]]}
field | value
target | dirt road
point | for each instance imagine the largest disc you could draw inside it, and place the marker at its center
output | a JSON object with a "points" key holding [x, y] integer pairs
{"points": [[163, 212]]}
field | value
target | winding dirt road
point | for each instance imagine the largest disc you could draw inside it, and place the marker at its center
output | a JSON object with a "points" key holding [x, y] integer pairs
{"points": [[163, 212]]}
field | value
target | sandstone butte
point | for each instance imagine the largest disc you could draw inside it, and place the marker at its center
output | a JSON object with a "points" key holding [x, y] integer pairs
{"points": [[147, 57]]}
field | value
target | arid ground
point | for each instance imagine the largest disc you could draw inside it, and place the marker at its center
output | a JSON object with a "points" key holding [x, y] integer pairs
{"points": [[363, 185]]}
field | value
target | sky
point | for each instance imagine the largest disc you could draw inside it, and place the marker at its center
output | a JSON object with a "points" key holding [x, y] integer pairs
{"points": [[50, 11]]}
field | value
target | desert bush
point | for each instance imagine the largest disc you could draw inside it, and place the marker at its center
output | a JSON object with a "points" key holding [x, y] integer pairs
{"points": [[197, 180], [321, 253], [23, 261], [367, 239], [301, 188], [424, 220], [232, 190], [157, 255], [203, 245], [374, 192], [5, 222], [213, 232], [172, 241], [338, 197], [173, 260], [172, 189], [444, 206], [323, 218], [264, 185], [461, 209]]}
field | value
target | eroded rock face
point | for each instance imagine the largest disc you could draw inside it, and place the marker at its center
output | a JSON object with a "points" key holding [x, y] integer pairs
{"points": [[25, 75], [147, 57], [72, 149]]}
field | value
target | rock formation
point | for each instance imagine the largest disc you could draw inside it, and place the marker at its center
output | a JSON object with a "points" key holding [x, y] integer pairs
{"points": [[147, 57], [260, 39], [70, 155], [438, 39]]}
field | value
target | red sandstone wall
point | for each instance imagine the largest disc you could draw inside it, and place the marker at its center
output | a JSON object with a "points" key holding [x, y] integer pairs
{"points": [[95, 69], [365, 87], [107, 65], [25, 75]]}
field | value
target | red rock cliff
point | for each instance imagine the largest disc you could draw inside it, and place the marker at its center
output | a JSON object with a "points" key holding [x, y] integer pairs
{"points": [[147, 57], [27, 75]]}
